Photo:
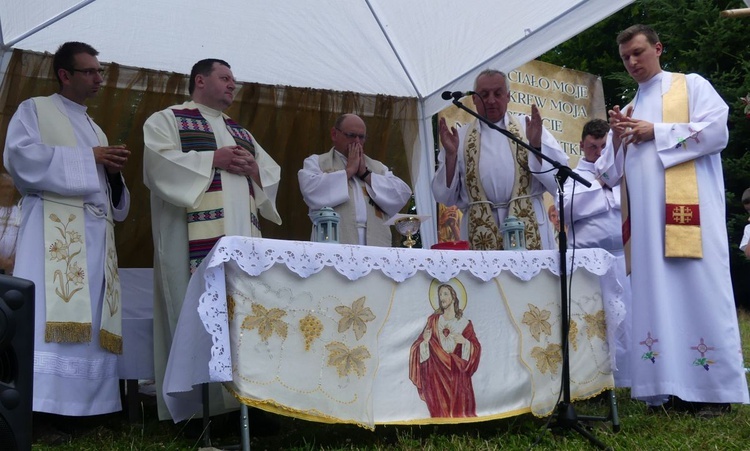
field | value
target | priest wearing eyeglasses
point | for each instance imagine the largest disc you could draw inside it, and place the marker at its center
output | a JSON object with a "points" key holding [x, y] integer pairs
{"points": [[73, 190], [363, 191]]}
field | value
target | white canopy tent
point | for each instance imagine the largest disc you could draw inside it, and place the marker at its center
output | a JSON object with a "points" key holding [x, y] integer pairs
{"points": [[403, 48]]}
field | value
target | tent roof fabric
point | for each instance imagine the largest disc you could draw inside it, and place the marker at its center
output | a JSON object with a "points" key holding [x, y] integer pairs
{"points": [[415, 48]]}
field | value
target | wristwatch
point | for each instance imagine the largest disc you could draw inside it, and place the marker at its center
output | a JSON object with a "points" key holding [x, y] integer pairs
{"points": [[364, 176]]}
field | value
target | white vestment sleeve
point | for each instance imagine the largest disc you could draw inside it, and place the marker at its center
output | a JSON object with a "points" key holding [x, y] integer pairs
{"points": [[610, 166], [389, 192], [585, 202], [36, 167], [178, 177], [448, 195], [745, 237], [322, 189], [705, 134], [544, 171], [270, 175]]}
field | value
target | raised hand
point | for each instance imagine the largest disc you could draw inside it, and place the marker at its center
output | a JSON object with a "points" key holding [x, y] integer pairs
{"points": [[449, 138], [534, 128]]}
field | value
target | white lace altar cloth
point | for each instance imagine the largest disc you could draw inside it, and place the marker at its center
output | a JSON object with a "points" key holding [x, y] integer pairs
{"points": [[336, 333]]}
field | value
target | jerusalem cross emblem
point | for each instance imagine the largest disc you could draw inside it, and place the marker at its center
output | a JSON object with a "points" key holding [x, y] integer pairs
{"points": [[682, 214]]}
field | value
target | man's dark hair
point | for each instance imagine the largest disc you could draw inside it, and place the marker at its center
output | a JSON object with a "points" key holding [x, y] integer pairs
{"points": [[634, 30], [65, 56], [598, 128], [204, 67]]}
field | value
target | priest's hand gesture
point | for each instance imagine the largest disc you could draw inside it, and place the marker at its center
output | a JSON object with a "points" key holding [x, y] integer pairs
{"points": [[112, 157], [449, 138], [237, 160], [534, 129]]}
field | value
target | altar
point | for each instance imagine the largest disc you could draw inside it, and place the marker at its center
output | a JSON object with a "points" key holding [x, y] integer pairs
{"points": [[366, 335]]}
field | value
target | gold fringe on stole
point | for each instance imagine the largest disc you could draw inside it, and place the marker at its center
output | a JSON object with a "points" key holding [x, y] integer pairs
{"points": [[682, 234], [57, 332], [110, 341]]}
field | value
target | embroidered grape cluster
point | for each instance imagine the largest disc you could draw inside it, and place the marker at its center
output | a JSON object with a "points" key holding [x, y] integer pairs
{"points": [[311, 328]]}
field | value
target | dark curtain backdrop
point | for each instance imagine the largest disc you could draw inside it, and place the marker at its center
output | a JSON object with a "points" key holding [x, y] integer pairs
{"points": [[289, 123]]}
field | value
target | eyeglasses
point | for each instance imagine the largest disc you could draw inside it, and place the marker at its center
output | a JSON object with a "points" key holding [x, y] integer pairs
{"points": [[90, 72], [352, 135]]}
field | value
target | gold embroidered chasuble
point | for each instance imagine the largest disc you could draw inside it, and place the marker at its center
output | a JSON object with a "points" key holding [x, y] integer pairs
{"points": [[377, 233], [68, 303], [484, 232]]}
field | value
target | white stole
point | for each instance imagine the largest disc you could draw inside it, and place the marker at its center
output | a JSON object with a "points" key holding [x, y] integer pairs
{"points": [[67, 291]]}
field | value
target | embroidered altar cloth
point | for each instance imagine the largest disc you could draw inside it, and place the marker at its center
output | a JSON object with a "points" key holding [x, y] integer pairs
{"points": [[368, 335]]}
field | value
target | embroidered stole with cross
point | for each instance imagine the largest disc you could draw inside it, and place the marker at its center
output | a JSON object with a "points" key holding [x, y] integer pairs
{"points": [[67, 295], [682, 233], [484, 232], [206, 221]]}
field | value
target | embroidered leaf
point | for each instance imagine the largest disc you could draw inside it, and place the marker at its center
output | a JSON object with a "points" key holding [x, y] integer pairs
{"points": [[596, 325], [267, 322], [537, 321], [345, 360], [547, 359], [355, 317]]}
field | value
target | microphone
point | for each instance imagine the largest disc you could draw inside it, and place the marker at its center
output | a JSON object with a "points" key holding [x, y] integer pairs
{"points": [[447, 95]]}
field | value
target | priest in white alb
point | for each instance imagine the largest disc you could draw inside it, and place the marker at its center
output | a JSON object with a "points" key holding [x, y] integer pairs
{"points": [[363, 191], [666, 154], [208, 178], [489, 177], [72, 191]]}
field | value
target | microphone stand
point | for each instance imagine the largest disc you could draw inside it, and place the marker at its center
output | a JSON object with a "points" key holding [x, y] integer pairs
{"points": [[566, 414]]}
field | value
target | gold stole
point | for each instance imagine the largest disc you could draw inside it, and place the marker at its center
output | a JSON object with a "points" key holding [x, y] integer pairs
{"points": [[682, 233], [484, 232], [68, 299]]}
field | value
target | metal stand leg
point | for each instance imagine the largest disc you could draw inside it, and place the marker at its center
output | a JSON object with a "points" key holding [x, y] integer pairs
{"points": [[131, 387], [245, 428], [206, 416], [613, 416]]}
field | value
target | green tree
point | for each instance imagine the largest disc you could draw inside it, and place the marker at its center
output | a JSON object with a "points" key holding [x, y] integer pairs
{"points": [[696, 39]]}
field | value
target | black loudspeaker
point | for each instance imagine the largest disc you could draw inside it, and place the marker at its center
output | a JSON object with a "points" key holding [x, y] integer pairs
{"points": [[16, 362]]}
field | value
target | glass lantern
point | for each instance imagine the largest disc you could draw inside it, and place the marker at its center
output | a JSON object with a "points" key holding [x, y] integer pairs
{"points": [[325, 225], [514, 238]]}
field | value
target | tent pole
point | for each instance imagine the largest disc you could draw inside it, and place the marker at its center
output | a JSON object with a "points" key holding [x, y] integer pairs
{"points": [[45, 24]]}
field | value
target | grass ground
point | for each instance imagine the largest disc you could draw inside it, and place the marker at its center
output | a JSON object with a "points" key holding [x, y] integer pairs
{"points": [[640, 430]]}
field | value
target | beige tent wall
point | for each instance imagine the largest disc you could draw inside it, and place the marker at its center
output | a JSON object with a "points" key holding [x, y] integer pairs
{"points": [[290, 123]]}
